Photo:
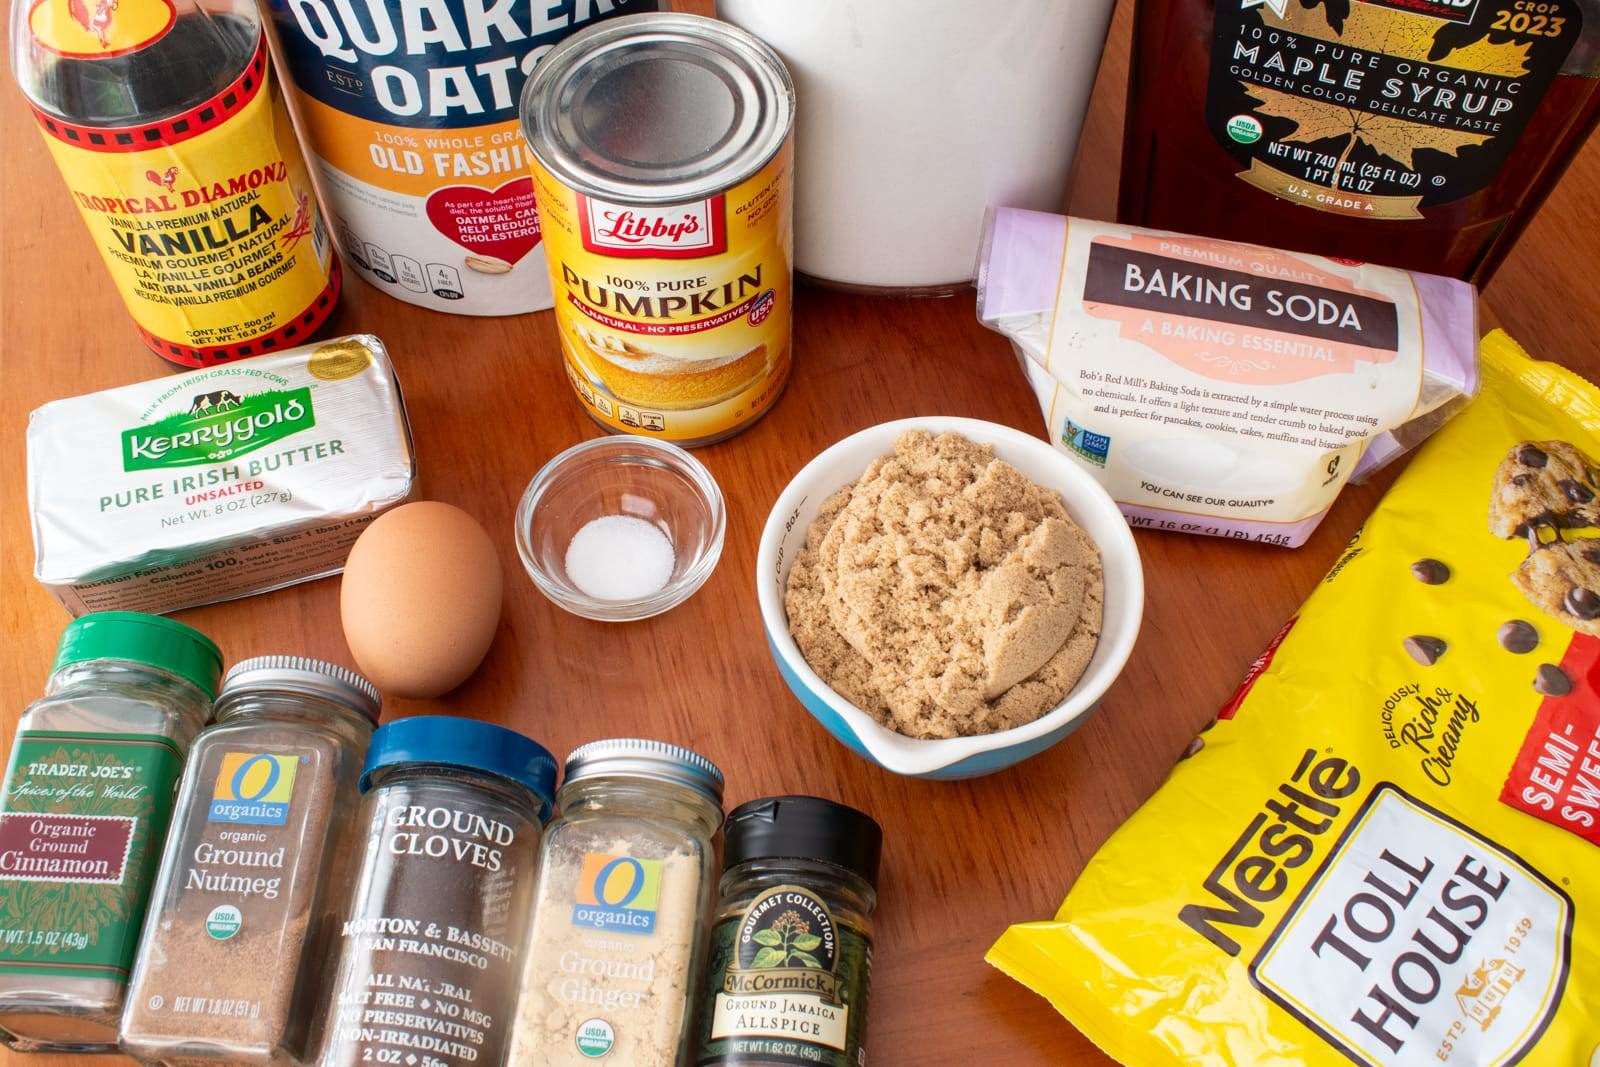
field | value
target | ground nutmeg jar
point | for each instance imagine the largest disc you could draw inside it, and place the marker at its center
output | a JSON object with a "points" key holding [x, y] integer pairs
{"points": [[430, 948], [622, 900], [235, 947], [86, 800], [791, 945]]}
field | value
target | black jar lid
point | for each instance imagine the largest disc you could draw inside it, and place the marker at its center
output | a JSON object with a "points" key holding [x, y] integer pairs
{"points": [[804, 828]]}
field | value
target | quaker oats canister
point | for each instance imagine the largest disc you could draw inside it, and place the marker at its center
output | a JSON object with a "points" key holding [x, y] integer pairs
{"points": [[409, 111], [662, 166]]}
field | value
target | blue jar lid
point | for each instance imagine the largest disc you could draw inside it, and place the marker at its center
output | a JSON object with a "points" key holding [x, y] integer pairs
{"points": [[446, 741]]}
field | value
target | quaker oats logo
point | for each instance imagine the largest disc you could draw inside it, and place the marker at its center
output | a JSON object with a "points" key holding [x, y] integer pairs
{"points": [[218, 425], [1420, 942]]}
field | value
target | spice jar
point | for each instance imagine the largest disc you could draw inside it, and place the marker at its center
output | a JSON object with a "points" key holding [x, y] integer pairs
{"points": [[624, 889], [429, 952], [791, 945], [86, 800], [236, 941]]}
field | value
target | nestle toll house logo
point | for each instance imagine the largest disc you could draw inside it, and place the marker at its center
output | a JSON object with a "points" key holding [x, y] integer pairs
{"points": [[218, 425]]}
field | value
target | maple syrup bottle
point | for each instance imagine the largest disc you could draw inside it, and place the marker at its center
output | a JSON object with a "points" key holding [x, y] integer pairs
{"points": [[170, 130], [1417, 133]]}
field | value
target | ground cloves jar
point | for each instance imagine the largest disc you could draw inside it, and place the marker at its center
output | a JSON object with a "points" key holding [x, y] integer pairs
{"points": [[235, 947], [86, 801], [625, 878], [430, 948], [791, 943]]}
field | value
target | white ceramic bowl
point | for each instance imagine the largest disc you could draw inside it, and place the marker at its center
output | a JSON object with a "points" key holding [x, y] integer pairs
{"points": [[957, 757]]}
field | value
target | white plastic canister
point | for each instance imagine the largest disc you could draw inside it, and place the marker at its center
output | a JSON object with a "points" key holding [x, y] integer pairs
{"points": [[915, 116], [409, 110]]}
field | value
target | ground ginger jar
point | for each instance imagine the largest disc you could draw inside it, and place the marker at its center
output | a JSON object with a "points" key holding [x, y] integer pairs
{"points": [[625, 879], [235, 946], [86, 801], [430, 947]]}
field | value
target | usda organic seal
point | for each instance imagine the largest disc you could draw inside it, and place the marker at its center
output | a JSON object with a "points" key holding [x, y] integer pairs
{"points": [[1246, 129], [223, 922], [595, 1038]]}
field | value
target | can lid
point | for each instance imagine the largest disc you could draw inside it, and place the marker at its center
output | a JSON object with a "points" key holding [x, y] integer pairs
{"points": [[139, 638], [657, 108], [447, 741], [634, 757], [301, 674], [804, 828]]}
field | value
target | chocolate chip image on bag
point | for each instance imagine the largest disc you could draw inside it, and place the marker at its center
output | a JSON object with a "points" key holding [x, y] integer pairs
{"points": [[1376, 856]]}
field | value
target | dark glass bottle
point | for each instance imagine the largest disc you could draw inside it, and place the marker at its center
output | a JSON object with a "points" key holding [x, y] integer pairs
{"points": [[1418, 133]]}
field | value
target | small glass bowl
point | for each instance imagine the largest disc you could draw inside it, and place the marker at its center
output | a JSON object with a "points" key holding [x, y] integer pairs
{"points": [[621, 475]]}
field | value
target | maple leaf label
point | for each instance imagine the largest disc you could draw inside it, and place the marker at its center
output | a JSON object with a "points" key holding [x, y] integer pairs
{"points": [[1376, 107]]}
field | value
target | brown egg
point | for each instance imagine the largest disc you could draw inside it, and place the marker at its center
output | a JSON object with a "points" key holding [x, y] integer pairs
{"points": [[421, 599]]}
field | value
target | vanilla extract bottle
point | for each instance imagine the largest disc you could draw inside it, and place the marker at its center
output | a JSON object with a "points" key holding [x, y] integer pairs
{"points": [[171, 133]]}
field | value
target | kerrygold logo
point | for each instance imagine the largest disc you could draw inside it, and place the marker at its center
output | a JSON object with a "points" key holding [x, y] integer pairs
{"points": [[254, 788], [618, 893], [217, 426]]}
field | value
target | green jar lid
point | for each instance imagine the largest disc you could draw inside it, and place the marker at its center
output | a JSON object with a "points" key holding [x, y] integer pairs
{"points": [[149, 639]]}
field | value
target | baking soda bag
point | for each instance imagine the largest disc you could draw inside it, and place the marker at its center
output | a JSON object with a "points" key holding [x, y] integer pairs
{"points": [[1386, 849]]}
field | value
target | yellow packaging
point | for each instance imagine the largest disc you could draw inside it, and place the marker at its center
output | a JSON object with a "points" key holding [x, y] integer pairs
{"points": [[1386, 849], [674, 320], [206, 219]]}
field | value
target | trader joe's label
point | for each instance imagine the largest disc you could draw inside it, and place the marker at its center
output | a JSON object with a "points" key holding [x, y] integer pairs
{"points": [[1381, 108], [80, 835]]}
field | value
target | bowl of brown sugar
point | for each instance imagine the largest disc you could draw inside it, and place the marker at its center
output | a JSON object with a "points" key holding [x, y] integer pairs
{"points": [[948, 596]]}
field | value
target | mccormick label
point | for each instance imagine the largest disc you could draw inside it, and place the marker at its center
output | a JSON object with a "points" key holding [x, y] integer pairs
{"points": [[81, 824], [788, 985], [1381, 108], [206, 219], [412, 120], [674, 321]]}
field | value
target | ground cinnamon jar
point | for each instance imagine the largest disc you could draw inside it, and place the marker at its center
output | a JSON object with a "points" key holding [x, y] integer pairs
{"points": [[86, 801], [430, 948], [235, 944]]}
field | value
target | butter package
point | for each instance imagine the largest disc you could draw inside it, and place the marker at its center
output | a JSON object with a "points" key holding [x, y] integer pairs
{"points": [[1223, 388], [1386, 849], [221, 483]]}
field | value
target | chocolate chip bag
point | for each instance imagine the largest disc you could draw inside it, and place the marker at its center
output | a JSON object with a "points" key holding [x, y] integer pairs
{"points": [[1386, 849]]}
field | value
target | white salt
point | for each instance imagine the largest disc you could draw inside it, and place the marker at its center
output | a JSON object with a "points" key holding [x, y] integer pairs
{"points": [[620, 557]]}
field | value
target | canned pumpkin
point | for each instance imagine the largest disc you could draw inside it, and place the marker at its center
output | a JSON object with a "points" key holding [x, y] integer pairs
{"points": [[662, 172]]}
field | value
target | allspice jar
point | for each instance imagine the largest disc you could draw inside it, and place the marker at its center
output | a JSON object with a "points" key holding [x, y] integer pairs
{"points": [[791, 946], [430, 948], [234, 951], [625, 878], [86, 801]]}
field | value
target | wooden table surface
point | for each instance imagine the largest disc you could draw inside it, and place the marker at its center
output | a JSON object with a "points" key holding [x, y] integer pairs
{"points": [[489, 406]]}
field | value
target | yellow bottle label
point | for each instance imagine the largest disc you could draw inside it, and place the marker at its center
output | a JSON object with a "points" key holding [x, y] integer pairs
{"points": [[206, 220], [674, 321]]}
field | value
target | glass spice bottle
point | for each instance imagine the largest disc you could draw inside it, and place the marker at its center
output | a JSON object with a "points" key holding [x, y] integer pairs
{"points": [[255, 869], [625, 875], [86, 800], [790, 964], [430, 948]]}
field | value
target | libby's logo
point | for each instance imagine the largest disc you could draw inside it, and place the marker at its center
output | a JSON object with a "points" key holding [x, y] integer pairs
{"points": [[682, 231], [218, 425]]}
